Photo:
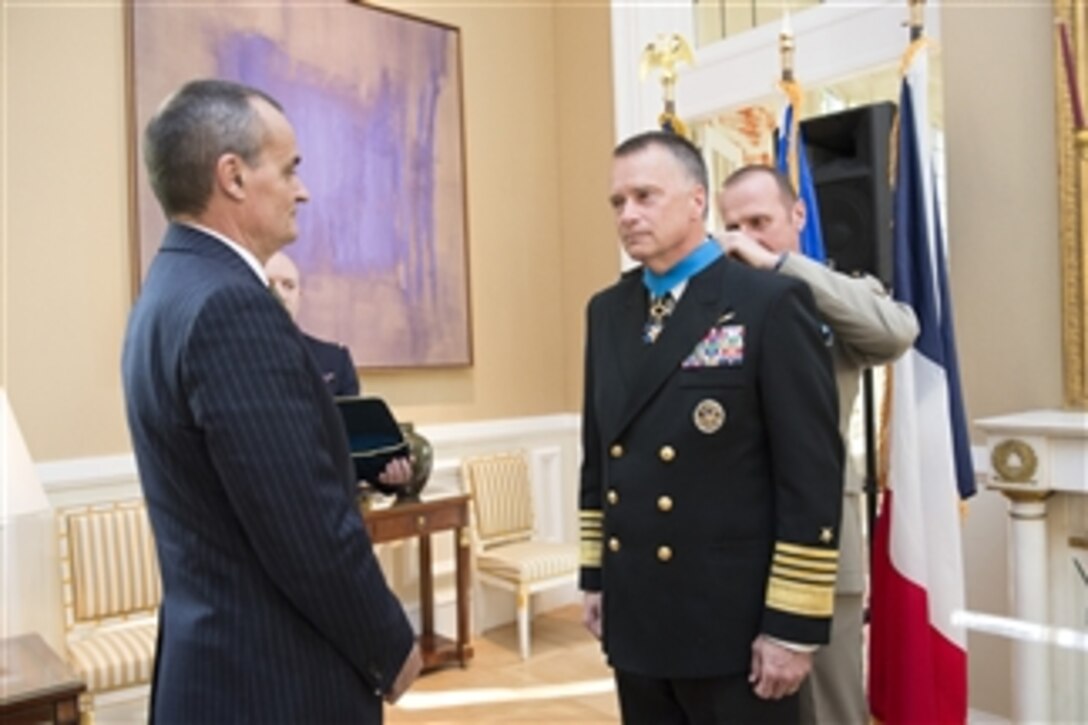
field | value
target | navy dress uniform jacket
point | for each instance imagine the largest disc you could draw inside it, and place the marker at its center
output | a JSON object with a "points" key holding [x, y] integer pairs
{"points": [[274, 607], [711, 483], [335, 365]]}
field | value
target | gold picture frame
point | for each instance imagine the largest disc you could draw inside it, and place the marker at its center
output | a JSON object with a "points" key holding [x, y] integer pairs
{"points": [[1073, 201]]}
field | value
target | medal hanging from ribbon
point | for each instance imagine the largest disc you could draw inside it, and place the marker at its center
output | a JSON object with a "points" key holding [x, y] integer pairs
{"points": [[660, 308]]}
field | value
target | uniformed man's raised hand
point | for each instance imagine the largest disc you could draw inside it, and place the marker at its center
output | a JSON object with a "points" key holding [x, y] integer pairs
{"points": [[777, 671], [591, 613], [741, 246]]}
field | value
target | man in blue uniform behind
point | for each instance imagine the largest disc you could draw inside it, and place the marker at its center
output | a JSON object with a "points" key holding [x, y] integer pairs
{"points": [[711, 482], [333, 359]]}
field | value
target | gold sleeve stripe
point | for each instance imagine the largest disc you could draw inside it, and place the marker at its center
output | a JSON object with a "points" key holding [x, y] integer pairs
{"points": [[590, 520], [589, 526], [812, 552], [591, 554], [805, 563], [806, 600], [803, 576]]}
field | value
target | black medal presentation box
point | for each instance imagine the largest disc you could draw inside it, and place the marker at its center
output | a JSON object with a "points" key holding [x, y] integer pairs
{"points": [[374, 437]]}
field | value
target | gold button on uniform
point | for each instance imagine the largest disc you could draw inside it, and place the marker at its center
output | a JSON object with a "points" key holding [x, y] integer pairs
{"points": [[616, 450], [613, 544], [613, 497], [664, 504], [664, 553], [667, 453]]}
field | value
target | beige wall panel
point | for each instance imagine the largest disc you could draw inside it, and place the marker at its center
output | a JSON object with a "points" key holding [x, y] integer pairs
{"points": [[5, 283], [586, 138], [67, 285], [1003, 202], [1004, 258]]}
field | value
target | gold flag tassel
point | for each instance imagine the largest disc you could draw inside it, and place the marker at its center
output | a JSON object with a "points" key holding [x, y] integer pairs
{"points": [[792, 90], [794, 96]]}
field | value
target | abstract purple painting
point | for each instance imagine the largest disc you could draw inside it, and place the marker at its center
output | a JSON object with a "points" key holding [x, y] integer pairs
{"points": [[375, 99]]}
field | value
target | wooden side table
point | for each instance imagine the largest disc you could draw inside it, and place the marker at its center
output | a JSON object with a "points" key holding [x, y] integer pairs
{"points": [[419, 519], [36, 685]]}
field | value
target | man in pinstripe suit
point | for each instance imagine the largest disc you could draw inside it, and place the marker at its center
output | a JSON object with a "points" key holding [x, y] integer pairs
{"points": [[274, 607]]}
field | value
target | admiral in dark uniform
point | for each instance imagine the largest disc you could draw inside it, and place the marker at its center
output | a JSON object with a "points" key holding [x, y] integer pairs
{"points": [[711, 482]]}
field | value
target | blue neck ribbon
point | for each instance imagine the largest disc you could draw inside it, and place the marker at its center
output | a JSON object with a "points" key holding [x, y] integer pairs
{"points": [[699, 259]]}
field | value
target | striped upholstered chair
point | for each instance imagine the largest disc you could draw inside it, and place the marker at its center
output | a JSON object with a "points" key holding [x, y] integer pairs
{"points": [[111, 590], [508, 555]]}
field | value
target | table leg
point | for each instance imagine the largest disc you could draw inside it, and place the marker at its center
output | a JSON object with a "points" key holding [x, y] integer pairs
{"points": [[426, 590], [463, 596], [66, 712]]}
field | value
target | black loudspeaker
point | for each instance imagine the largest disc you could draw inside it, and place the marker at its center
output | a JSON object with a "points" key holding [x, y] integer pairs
{"points": [[848, 155]]}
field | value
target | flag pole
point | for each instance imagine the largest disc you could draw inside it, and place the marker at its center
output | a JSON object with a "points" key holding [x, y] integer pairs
{"points": [[917, 19], [792, 90], [785, 48]]}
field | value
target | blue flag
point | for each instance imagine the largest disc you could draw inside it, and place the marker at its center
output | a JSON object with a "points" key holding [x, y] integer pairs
{"points": [[812, 240]]}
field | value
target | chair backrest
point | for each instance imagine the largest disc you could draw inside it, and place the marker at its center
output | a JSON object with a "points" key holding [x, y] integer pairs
{"points": [[502, 497], [109, 569]]}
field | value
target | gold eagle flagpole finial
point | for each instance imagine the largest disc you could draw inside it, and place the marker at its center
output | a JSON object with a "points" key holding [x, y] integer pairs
{"points": [[665, 54]]}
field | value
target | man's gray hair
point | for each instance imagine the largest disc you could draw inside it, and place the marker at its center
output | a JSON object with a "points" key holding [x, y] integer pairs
{"points": [[191, 131], [681, 149]]}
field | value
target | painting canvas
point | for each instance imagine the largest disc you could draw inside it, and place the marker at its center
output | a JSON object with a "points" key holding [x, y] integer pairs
{"points": [[375, 99]]}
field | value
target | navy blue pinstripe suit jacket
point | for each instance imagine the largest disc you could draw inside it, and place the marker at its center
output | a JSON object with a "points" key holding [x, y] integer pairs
{"points": [[274, 607]]}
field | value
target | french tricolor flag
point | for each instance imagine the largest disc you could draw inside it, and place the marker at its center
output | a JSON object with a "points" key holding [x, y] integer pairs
{"points": [[917, 656]]}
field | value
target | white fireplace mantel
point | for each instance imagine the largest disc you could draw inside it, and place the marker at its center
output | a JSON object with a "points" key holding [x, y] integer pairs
{"points": [[1039, 461]]}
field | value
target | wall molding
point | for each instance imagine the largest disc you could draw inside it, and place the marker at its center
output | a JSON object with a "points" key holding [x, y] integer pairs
{"points": [[553, 446], [552, 443]]}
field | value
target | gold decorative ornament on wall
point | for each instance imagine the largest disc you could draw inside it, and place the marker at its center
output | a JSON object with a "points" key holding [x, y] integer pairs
{"points": [[1014, 461], [1071, 69]]}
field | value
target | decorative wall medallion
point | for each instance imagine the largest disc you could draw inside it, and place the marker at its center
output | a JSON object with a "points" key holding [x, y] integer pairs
{"points": [[1014, 460]]}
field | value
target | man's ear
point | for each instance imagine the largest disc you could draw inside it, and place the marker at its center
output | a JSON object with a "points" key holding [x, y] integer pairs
{"points": [[699, 198], [799, 215], [230, 176]]}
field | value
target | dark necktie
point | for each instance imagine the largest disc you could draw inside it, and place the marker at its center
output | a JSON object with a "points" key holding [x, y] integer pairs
{"points": [[660, 308]]}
